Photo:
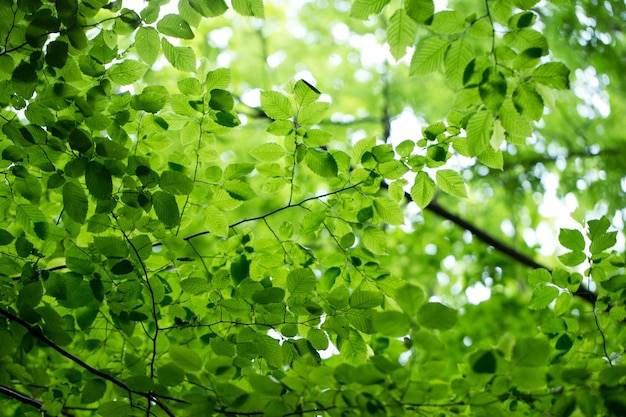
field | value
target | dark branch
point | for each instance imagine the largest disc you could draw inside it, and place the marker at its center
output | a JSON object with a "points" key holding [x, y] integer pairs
{"points": [[23, 398], [498, 245], [41, 337]]}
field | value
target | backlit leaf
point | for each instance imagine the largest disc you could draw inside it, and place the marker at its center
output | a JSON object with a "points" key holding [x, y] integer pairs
{"points": [[305, 93], [389, 211], [429, 55], [182, 58], [479, 129], [553, 74], [542, 297], [456, 59], [249, 8], [175, 182], [268, 152], [375, 240], [216, 221], [147, 44], [276, 105], [400, 33], [320, 162], [362, 9], [176, 26], [451, 182], [301, 281], [127, 72]]}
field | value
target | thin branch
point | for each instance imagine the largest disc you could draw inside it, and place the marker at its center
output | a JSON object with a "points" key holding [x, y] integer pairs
{"points": [[40, 336], [278, 210], [21, 397]]}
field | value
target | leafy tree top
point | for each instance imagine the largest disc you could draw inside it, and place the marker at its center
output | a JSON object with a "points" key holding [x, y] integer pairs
{"points": [[188, 232]]}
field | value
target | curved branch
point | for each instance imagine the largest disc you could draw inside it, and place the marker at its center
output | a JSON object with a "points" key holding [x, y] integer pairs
{"points": [[42, 338]]}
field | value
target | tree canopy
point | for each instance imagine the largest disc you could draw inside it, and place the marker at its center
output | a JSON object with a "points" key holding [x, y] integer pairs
{"points": [[315, 208]]}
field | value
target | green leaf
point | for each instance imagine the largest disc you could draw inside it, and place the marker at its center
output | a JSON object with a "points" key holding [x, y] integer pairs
{"points": [[437, 316], [270, 350], [56, 54], [450, 182], [185, 357], [190, 86], [391, 323], [305, 93], [253, 8], [92, 391], [175, 182], [393, 170], [221, 100], [209, 8], [528, 102], [352, 348], [268, 152], [166, 208], [176, 26], [276, 105], [301, 281], [531, 352], [318, 339], [5, 237], [114, 409], [268, 295], [127, 72], [601, 241], [457, 57], [423, 189], [216, 221], [122, 267], [239, 190], [401, 32], [195, 286], [573, 258], [147, 44], [492, 158], [314, 137], [448, 22], [170, 375], [572, 239], [182, 58], [79, 141], [542, 297], [152, 99], [375, 240], [420, 10], [219, 78], [365, 299], [479, 130], [492, 89], [483, 362], [321, 162], [429, 55], [553, 74], [75, 202], [362, 9], [539, 276], [313, 113], [409, 297], [512, 121], [98, 180], [388, 211]]}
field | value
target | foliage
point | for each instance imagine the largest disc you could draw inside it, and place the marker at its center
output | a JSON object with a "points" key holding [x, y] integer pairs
{"points": [[170, 249]]}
